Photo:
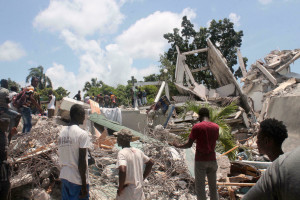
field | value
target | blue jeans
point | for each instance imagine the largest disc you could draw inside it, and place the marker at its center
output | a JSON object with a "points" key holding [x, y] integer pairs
{"points": [[72, 191], [26, 116], [14, 116]]}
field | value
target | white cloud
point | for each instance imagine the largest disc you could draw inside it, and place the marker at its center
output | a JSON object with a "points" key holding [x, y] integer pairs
{"points": [[10, 51], [235, 19], [265, 2], [60, 77], [144, 39], [114, 63], [84, 17]]}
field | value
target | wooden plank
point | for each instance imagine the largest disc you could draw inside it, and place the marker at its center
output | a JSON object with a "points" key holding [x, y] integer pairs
{"points": [[195, 51], [199, 69], [288, 63], [266, 73], [225, 184], [230, 190], [241, 62]]}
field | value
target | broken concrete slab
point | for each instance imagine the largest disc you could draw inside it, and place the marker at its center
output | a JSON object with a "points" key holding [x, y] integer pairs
{"points": [[286, 109], [226, 90], [266, 73], [65, 106]]}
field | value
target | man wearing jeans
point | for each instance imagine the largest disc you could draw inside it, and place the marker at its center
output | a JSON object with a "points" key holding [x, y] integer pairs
{"points": [[27, 100], [206, 134]]}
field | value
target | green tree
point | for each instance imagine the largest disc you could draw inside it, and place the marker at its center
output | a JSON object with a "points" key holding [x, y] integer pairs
{"points": [[61, 93], [13, 83], [94, 83], [221, 33], [218, 116], [44, 81]]}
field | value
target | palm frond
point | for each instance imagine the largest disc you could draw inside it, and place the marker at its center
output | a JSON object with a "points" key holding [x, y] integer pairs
{"points": [[227, 111]]}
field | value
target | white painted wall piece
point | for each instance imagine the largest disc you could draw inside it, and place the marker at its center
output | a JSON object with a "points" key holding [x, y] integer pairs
{"points": [[226, 90]]}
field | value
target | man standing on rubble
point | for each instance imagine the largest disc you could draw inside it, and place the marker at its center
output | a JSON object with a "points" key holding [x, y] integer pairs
{"points": [[77, 96], [26, 101], [270, 137], [72, 151], [206, 134], [131, 163], [51, 105]]}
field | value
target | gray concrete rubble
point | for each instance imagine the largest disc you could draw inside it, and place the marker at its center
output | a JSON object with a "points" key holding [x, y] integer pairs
{"points": [[272, 90], [269, 90]]}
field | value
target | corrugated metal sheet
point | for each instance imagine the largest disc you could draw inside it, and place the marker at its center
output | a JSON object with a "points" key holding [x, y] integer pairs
{"points": [[101, 120]]}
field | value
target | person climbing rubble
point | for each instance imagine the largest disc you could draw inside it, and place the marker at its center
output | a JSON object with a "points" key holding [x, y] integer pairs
{"points": [[130, 163], [73, 145], [206, 134], [25, 101], [271, 135]]}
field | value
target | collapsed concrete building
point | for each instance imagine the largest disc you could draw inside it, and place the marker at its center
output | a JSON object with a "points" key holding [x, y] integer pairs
{"points": [[269, 90]]}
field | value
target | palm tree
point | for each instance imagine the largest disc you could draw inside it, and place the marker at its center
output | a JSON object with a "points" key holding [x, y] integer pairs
{"points": [[218, 116], [94, 83], [44, 81]]}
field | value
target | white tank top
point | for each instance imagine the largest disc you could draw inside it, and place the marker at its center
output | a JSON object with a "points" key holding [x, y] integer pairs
{"points": [[51, 104]]}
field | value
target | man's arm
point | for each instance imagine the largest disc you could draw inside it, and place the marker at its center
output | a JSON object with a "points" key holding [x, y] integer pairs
{"points": [[122, 178], [36, 104], [82, 167], [148, 168], [188, 144]]}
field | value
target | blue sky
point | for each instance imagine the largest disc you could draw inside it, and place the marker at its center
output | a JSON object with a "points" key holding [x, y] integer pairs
{"points": [[112, 40]]}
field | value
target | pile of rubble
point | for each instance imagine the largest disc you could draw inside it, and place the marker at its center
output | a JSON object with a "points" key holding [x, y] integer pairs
{"points": [[34, 160], [270, 78]]}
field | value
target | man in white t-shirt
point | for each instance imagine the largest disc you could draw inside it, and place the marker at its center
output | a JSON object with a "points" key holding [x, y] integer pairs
{"points": [[51, 104], [72, 151], [131, 168]]}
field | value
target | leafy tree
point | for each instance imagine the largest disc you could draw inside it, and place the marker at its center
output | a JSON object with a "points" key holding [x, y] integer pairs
{"points": [[44, 81], [94, 83], [13, 83], [221, 33], [218, 116], [130, 81], [61, 93]]}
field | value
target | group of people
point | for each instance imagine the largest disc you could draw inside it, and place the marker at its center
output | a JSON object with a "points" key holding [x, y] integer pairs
{"points": [[73, 151], [280, 181], [138, 97], [105, 101], [13, 106]]}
